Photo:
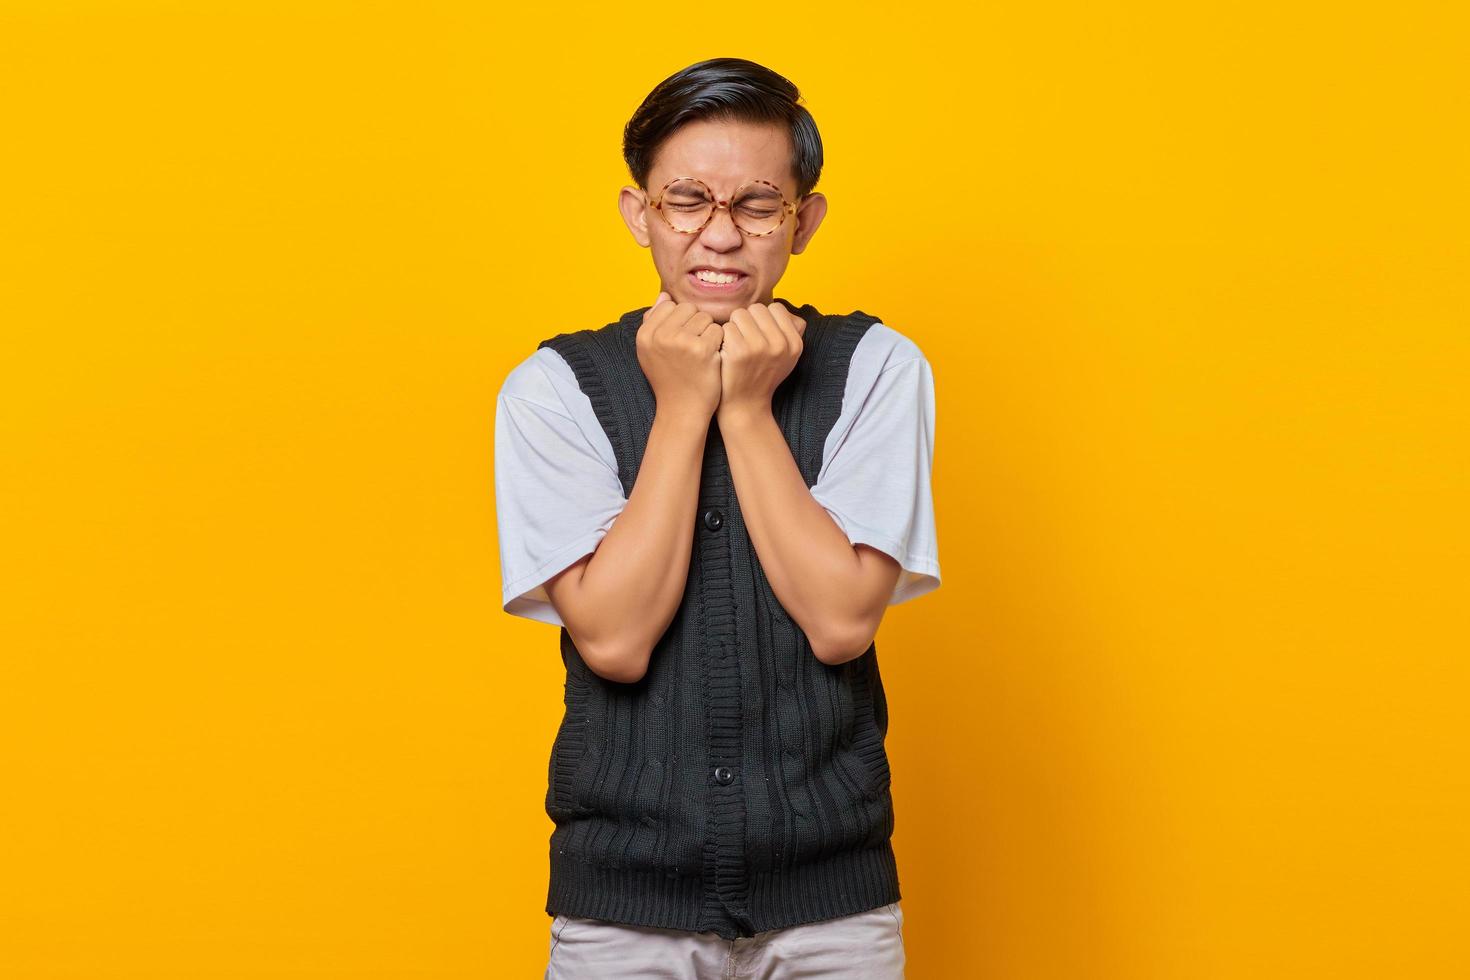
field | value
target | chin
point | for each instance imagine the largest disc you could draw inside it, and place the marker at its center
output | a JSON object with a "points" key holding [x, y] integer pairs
{"points": [[684, 293]]}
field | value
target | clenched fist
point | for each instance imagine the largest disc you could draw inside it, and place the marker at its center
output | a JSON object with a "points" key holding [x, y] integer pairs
{"points": [[679, 351], [762, 343]]}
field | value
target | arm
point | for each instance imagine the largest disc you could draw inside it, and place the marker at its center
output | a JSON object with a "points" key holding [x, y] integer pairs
{"points": [[835, 591], [619, 600]]}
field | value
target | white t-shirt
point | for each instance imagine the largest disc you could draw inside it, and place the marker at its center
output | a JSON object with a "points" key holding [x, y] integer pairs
{"points": [[557, 490]]}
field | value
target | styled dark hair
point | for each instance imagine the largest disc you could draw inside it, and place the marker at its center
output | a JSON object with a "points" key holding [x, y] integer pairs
{"points": [[723, 90]]}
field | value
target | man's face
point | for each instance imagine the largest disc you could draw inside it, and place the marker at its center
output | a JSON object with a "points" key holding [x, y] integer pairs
{"points": [[724, 155]]}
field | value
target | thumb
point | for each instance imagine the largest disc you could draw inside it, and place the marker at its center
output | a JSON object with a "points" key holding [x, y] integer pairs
{"points": [[662, 297]]}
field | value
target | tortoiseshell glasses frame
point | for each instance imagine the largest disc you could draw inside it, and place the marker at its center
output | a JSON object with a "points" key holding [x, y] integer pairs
{"points": [[787, 207]]}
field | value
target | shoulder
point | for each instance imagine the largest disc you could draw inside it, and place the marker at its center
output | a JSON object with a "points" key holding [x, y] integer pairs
{"points": [[543, 378], [883, 347]]}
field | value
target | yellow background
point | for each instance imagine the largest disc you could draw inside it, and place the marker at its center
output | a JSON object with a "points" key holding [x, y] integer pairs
{"points": [[1191, 701]]}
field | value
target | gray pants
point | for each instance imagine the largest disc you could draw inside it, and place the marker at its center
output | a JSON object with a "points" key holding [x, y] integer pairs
{"points": [[864, 946]]}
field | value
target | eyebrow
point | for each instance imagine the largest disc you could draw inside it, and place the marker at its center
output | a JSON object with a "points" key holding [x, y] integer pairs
{"points": [[755, 189]]}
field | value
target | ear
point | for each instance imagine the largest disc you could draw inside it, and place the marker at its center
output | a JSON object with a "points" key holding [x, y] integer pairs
{"points": [[809, 214], [632, 203]]}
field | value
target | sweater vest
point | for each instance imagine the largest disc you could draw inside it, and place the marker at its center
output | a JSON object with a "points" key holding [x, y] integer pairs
{"points": [[741, 784]]}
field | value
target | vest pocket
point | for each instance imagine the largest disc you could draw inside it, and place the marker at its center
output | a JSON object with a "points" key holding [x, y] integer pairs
{"points": [[569, 750], [860, 773], [859, 743], [869, 724]]}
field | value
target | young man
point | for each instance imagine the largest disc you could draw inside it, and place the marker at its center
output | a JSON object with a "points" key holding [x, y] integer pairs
{"points": [[716, 497]]}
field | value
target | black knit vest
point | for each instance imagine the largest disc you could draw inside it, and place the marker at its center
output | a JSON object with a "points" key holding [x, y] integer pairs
{"points": [[741, 784]]}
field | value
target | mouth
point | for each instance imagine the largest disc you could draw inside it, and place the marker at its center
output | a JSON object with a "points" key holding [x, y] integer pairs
{"points": [[734, 282]]}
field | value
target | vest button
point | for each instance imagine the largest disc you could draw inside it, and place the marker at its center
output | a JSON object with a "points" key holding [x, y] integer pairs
{"points": [[724, 775], [713, 519]]}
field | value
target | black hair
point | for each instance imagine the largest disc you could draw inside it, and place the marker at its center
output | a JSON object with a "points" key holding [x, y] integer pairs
{"points": [[723, 90]]}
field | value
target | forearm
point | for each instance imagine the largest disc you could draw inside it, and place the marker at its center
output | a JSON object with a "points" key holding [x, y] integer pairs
{"points": [[632, 586], [812, 567]]}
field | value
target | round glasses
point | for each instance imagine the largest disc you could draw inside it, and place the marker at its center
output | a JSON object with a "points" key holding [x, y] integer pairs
{"points": [[757, 207]]}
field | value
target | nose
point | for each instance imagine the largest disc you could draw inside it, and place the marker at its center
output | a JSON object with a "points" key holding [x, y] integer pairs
{"points": [[721, 234]]}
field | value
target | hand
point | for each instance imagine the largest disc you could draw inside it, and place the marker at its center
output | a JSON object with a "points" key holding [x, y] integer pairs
{"points": [[679, 351], [762, 343]]}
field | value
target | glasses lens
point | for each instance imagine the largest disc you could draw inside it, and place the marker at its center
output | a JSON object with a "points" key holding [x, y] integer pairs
{"points": [[756, 208], [686, 204]]}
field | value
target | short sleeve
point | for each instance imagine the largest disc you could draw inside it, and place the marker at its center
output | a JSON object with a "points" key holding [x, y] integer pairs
{"points": [[875, 480], [556, 492]]}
